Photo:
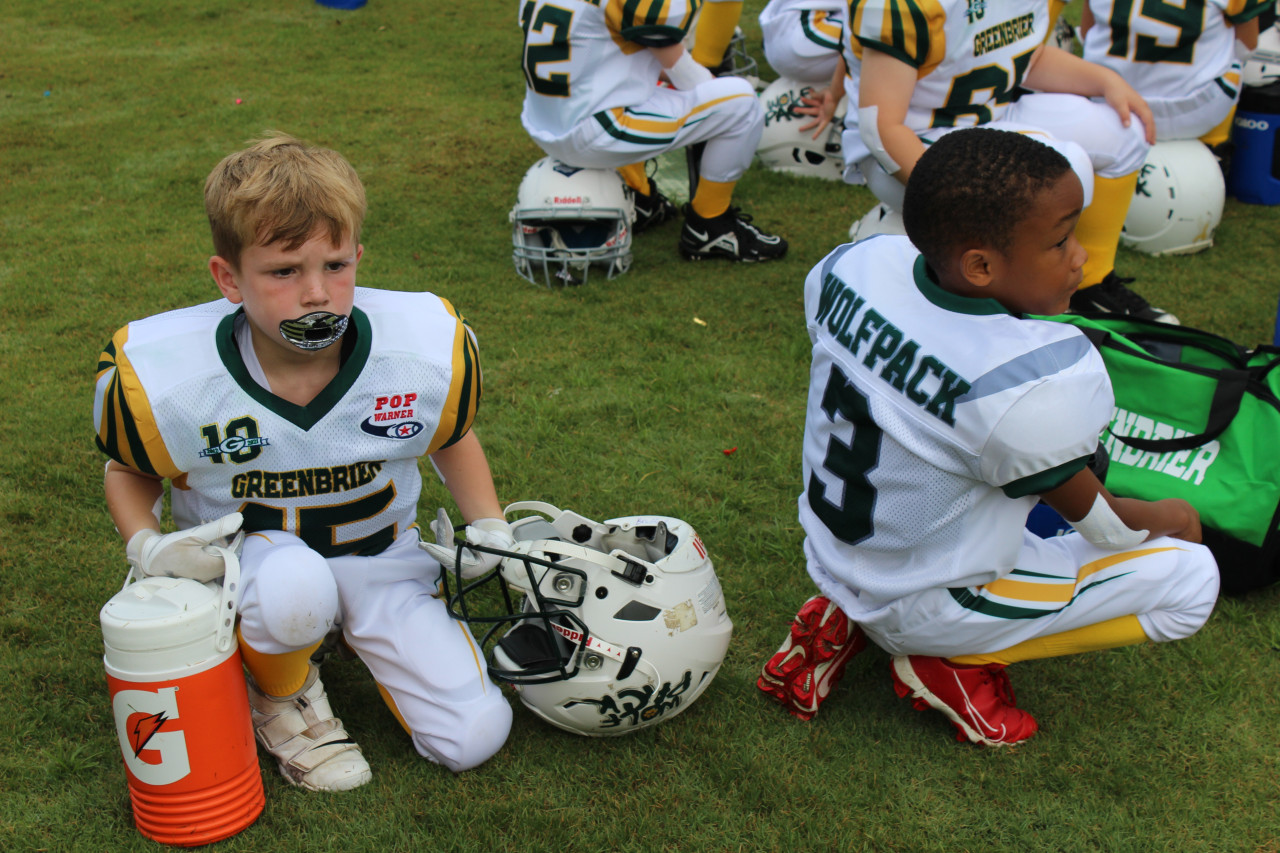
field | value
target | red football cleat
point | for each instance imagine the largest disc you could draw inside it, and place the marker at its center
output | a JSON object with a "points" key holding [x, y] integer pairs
{"points": [[809, 664], [977, 699]]}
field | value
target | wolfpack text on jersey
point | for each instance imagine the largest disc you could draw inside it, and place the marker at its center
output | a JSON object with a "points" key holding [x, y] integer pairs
{"points": [[927, 413]]}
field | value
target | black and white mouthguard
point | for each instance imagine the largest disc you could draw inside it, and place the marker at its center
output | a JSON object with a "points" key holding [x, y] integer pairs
{"points": [[314, 331]]}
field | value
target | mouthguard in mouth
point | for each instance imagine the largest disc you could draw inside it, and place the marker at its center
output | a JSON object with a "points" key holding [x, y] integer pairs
{"points": [[314, 331]]}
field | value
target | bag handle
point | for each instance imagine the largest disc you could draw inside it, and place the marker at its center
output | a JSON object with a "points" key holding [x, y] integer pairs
{"points": [[1225, 405]]}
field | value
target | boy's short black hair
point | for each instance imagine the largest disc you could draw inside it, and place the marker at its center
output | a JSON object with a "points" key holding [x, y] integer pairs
{"points": [[972, 186]]}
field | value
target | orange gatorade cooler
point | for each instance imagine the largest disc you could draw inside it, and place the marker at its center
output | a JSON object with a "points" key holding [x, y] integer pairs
{"points": [[180, 707]]}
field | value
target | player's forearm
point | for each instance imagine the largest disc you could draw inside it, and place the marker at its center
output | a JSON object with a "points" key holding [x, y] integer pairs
{"points": [[132, 497], [1247, 33], [1169, 517], [465, 472], [885, 88], [1055, 70]]}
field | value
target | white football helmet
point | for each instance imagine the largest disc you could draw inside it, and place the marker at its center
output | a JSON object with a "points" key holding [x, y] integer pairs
{"points": [[568, 219], [1178, 201], [616, 625], [785, 148], [1262, 68], [880, 219]]}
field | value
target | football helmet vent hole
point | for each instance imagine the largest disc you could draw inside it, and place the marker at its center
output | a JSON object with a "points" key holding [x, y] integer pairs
{"points": [[636, 611]]}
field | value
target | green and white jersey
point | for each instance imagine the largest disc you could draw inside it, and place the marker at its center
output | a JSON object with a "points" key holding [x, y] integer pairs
{"points": [[1165, 50], [175, 399], [933, 422], [585, 57], [969, 55]]}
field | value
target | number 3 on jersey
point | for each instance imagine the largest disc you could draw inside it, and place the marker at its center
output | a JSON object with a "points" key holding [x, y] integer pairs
{"points": [[555, 50], [849, 519]]}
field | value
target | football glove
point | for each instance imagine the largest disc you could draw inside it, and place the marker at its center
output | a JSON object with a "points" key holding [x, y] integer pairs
{"points": [[184, 554], [488, 532]]}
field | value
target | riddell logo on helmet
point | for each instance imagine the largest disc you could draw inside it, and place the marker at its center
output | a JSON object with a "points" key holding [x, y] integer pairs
{"points": [[568, 199]]}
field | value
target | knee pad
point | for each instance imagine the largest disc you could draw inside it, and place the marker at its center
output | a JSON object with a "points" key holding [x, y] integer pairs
{"points": [[480, 734], [291, 600]]}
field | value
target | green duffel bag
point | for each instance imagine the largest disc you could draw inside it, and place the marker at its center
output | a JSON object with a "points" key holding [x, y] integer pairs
{"points": [[1197, 417]]}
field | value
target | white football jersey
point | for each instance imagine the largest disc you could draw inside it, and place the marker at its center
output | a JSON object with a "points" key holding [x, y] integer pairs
{"points": [[933, 422], [174, 398], [970, 55], [582, 57], [776, 9], [1168, 50]]}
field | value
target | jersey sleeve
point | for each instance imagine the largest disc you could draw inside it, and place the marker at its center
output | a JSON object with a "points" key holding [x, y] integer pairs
{"points": [[1049, 433], [465, 388], [651, 23], [1241, 11], [126, 427], [908, 30]]}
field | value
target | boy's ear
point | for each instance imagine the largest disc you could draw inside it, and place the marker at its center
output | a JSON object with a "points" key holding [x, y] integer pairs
{"points": [[978, 266], [224, 275]]}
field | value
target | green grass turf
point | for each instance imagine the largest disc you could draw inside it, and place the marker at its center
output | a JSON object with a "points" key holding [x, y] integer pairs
{"points": [[609, 399]]}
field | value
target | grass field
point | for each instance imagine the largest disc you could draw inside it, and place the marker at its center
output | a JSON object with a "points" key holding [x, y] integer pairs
{"points": [[609, 399]]}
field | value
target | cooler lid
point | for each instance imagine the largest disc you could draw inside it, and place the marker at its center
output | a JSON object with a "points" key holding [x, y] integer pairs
{"points": [[160, 613]]}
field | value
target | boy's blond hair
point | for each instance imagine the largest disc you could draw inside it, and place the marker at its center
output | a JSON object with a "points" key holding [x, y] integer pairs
{"points": [[281, 189]]}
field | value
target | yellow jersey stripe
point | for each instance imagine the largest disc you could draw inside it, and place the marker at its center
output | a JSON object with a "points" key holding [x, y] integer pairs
{"points": [[464, 390], [127, 429]]}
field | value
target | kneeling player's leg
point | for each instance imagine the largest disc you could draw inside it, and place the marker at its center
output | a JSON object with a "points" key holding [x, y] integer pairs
{"points": [[1161, 591], [428, 667], [289, 601], [713, 31], [1066, 597]]}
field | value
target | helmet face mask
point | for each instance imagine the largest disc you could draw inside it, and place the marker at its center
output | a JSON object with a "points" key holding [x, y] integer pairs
{"points": [[567, 220], [601, 628]]}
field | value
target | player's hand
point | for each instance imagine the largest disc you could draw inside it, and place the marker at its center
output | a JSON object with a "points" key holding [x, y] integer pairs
{"points": [[822, 106], [1128, 104], [486, 532], [184, 554], [1184, 520]]}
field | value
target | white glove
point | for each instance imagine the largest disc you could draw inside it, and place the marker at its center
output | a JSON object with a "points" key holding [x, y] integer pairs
{"points": [[488, 532], [184, 554]]}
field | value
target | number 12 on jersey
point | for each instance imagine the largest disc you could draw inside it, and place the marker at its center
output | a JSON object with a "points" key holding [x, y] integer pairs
{"points": [[850, 518], [556, 50]]}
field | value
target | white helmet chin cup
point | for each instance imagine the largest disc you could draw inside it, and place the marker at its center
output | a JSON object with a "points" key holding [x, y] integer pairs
{"points": [[785, 148], [1178, 201], [614, 626], [568, 220]]}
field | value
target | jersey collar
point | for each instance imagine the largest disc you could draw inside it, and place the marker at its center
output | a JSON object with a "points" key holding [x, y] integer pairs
{"points": [[304, 417], [945, 299]]}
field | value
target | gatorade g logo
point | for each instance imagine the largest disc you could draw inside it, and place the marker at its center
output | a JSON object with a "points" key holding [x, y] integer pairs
{"points": [[1253, 124], [153, 750]]}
